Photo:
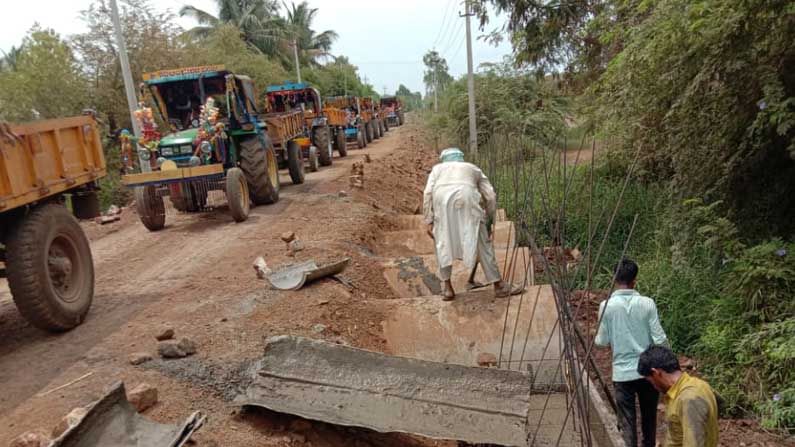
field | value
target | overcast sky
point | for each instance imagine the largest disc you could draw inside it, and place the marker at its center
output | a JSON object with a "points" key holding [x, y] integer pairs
{"points": [[385, 39]]}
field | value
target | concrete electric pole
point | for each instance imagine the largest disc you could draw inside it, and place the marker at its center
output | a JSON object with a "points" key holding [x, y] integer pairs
{"points": [[473, 132], [297, 64], [129, 87]]}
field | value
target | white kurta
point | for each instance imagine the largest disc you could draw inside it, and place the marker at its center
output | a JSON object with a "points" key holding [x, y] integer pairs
{"points": [[458, 197]]}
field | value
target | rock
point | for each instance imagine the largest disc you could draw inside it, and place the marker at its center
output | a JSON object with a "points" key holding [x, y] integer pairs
{"points": [[288, 236], [342, 194], [35, 438], [165, 334], [367, 158], [113, 210], [136, 358], [261, 267], [486, 359], [142, 397], [297, 437], [319, 328], [187, 345], [295, 246], [69, 421], [322, 301], [170, 350]]}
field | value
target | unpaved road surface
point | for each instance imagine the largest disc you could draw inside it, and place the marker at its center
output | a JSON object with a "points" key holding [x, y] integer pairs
{"points": [[196, 276]]}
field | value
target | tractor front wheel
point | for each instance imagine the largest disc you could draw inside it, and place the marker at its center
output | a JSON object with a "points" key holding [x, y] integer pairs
{"points": [[321, 139], [259, 164], [295, 162], [237, 194], [49, 267], [150, 207], [342, 143]]}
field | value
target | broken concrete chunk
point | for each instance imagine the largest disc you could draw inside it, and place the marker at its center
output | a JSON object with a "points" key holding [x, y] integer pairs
{"points": [[165, 334], [295, 246], [261, 267], [486, 359], [142, 397], [187, 346], [35, 438], [170, 350], [136, 358], [70, 420]]}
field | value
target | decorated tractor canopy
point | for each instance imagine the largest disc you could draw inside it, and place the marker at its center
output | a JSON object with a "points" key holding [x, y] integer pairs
{"points": [[393, 110], [209, 131]]}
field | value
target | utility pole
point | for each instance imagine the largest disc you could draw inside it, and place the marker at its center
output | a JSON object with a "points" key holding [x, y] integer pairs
{"points": [[473, 132], [297, 64], [129, 87]]}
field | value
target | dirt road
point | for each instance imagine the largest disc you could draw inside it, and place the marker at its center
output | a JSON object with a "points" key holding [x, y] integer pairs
{"points": [[196, 277]]}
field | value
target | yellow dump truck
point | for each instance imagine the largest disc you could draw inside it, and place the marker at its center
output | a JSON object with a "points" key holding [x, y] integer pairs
{"points": [[44, 253]]}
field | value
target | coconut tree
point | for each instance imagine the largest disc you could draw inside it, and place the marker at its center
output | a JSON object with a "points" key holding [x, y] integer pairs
{"points": [[257, 20], [312, 46]]}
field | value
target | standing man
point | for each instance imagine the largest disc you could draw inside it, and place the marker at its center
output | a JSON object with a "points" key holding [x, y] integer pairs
{"points": [[690, 405], [629, 324], [457, 201]]}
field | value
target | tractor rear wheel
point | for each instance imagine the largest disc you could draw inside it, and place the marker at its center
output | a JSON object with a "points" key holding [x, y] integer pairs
{"points": [[321, 139], [295, 162], [368, 129], [150, 207], [342, 143], [401, 119], [49, 267], [376, 133], [237, 194], [259, 165]]}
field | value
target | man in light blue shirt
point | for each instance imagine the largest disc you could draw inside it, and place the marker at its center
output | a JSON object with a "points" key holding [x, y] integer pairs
{"points": [[628, 325]]}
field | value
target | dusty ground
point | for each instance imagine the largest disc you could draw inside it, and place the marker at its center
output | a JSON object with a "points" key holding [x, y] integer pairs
{"points": [[196, 276]]}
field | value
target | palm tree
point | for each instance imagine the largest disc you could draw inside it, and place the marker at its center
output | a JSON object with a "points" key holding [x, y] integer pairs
{"points": [[311, 46], [257, 20]]}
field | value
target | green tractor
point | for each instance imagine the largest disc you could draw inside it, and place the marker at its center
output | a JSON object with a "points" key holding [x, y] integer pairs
{"points": [[216, 140]]}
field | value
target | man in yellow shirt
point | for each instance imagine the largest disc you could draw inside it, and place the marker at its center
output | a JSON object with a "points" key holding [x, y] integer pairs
{"points": [[690, 405]]}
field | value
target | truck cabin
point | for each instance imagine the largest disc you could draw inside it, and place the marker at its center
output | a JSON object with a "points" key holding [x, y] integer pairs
{"points": [[179, 95], [293, 96]]}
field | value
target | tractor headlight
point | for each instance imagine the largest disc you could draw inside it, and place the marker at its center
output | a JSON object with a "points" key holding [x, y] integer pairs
{"points": [[167, 151], [160, 161], [206, 147], [144, 155], [194, 161]]}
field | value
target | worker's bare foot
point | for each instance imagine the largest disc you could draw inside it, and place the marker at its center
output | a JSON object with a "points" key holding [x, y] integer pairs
{"points": [[504, 289], [448, 294]]}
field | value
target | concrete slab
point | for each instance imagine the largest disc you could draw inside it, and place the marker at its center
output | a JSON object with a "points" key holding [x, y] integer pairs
{"points": [[347, 386], [457, 332], [417, 275]]}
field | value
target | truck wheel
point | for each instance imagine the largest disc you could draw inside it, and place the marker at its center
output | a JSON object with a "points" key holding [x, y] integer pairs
{"points": [[342, 143], [50, 270], [368, 132], [314, 163], [321, 139], [295, 162], [259, 165], [150, 208], [237, 194], [360, 140]]}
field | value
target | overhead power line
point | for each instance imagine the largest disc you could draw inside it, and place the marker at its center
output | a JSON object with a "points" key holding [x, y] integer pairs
{"points": [[442, 27]]}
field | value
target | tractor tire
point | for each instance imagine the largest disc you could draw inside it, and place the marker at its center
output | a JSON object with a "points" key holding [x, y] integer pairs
{"points": [[237, 194], [386, 125], [363, 132], [368, 128], [261, 169], [295, 162], [50, 269], [321, 139], [150, 207], [360, 143], [342, 142], [376, 133], [314, 162], [381, 130], [401, 119], [85, 205]]}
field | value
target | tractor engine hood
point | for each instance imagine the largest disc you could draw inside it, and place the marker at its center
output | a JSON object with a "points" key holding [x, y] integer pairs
{"points": [[187, 136]]}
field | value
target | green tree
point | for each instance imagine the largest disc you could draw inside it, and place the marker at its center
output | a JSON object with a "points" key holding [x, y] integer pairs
{"points": [[9, 59], [411, 100], [312, 46], [437, 75], [338, 78], [46, 83], [257, 20]]}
